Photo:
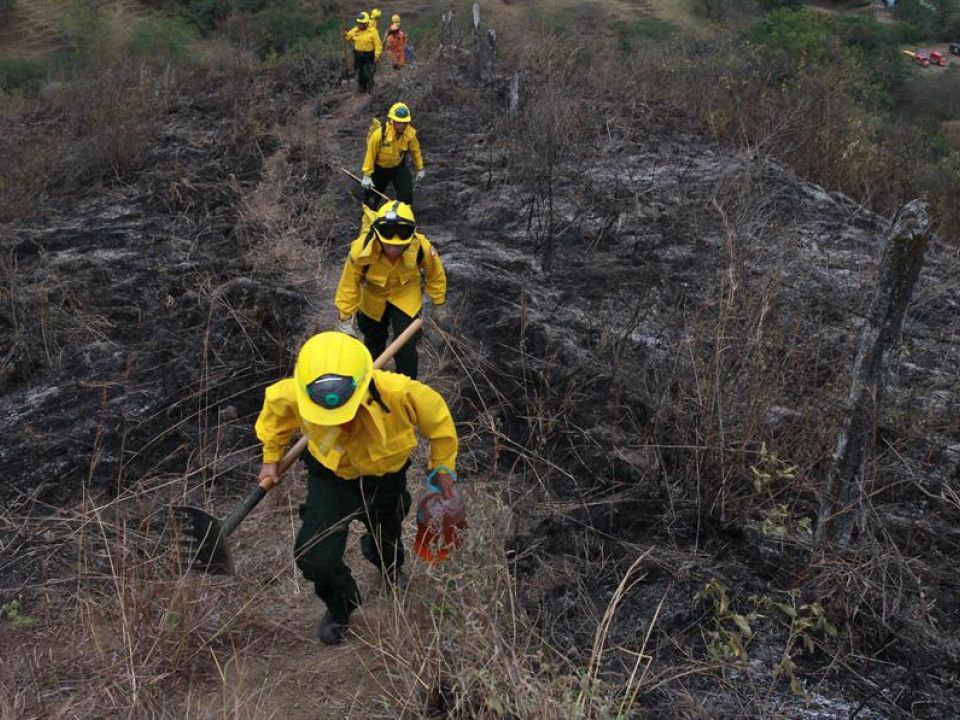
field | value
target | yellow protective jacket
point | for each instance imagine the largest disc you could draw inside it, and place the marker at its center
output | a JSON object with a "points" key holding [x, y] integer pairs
{"points": [[377, 442], [369, 280], [365, 40], [385, 149]]}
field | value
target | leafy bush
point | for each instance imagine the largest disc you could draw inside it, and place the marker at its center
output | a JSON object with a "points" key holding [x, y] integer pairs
{"points": [[937, 19], [782, 4], [279, 29], [21, 75], [932, 98], [633, 33], [162, 37], [801, 36], [204, 15], [720, 10]]}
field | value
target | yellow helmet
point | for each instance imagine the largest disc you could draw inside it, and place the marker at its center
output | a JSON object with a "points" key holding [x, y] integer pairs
{"points": [[332, 374], [363, 18], [395, 223], [395, 19], [375, 13], [399, 112]]}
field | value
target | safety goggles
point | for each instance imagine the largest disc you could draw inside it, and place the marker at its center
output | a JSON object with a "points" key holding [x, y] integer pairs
{"points": [[332, 391], [395, 229]]}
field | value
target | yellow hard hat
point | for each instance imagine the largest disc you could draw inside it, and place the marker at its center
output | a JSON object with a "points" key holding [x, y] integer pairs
{"points": [[332, 374], [399, 112], [395, 19], [363, 18], [395, 223], [375, 13]]}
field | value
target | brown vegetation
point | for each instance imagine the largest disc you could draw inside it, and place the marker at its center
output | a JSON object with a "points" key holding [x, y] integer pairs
{"points": [[655, 323]]}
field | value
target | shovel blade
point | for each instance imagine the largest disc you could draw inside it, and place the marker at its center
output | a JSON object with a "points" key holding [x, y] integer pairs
{"points": [[201, 536]]}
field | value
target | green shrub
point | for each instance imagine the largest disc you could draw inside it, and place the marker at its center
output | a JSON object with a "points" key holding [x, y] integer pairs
{"points": [[255, 6], [646, 29], [165, 38], [7, 5], [935, 19], [782, 4], [204, 15], [720, 10], [797, 35], [21, 75], [932, 98], [279, 29]]}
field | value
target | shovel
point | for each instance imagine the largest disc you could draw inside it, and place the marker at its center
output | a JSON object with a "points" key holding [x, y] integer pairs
{"points": [[205, 537]]}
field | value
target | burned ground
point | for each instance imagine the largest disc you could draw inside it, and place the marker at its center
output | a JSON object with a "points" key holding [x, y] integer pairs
{"points": [[641, 329]]}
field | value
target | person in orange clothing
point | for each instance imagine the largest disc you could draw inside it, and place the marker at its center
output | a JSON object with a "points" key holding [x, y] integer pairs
{"points": [[382, 281], [395, 43]]}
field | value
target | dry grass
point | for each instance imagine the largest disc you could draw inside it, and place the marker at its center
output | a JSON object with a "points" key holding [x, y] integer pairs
{"points": [[475, 637]]}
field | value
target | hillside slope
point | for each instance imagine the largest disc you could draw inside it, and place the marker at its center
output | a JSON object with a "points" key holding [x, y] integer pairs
{"points": [[645, 320]]}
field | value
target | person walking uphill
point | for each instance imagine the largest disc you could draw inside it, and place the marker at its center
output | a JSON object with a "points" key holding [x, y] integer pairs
{"points": [[381, 280], [385, 161], [366, 51], [360, 424], [395, 43]]}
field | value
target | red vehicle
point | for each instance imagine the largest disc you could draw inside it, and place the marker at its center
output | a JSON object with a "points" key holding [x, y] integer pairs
{"points": [[929, 57], [926, 58], [920, 57]]}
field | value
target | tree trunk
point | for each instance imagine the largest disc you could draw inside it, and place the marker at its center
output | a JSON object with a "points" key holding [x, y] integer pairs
{"points": [[903, 252]]}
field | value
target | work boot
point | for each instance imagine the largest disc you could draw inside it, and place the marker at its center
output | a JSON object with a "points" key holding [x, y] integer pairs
{"points": [[330, 631]]}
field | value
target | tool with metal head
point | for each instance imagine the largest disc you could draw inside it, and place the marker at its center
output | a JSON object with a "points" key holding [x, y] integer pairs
{"points": [[204, 537]]}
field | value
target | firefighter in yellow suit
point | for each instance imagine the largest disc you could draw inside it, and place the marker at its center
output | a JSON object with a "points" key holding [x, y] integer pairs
{"points": [[385, 160], [366, 50], [361, 427], [381, 280]]}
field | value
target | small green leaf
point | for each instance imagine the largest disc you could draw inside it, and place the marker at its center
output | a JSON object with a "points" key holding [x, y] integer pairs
{"points": [[742, 624]]}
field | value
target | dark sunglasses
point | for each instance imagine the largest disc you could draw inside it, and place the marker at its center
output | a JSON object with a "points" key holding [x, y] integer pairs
{"points": [[395, 229], [331, 391]]}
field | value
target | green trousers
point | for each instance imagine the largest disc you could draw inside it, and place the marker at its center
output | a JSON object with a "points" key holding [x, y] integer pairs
{"points": [[380, 502], [375, 334], [402, 181], [366, 65]]}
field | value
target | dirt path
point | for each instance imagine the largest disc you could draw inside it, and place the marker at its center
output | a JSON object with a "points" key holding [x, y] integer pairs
{"points": [[297, 677]]}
